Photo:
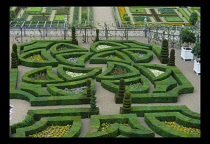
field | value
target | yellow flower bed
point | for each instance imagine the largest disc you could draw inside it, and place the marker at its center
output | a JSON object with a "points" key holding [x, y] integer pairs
{"points": [[182, 128], [52, 131], [122, 12], [111, 56], [35, 57]]}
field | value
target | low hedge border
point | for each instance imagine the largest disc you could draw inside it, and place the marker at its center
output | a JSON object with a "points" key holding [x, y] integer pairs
{"points": [[51, 76], [83, 57], [114, 44], [44, 122], [157, 50], [21, 46], [145, 59], [76, 48], [183, 109], [133, 72], [38, 45], [153, 120], [36, 115], [147, 73], [100, 58], [13, 78], [34, 89], [54, 89], [90, 72], [136, 130], [113, 85], [48, 60]]}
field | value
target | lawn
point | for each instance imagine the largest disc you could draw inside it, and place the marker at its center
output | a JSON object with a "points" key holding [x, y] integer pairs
{"points": [[34, 9], [173, 19], [59, 17]]}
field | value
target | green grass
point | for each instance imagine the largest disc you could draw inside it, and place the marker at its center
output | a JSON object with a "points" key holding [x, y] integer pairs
{"points": [[152, 7], [59, 17], [137, 10], [34, 9], [173, 19]]}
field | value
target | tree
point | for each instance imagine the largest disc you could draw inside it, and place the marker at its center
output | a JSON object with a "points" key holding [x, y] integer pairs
{"points": [[74, 40], [12, 15], [164, 52], [172, 58], [193, 18], [126, 108], [196, 50], [187, 36], [121, 89]]}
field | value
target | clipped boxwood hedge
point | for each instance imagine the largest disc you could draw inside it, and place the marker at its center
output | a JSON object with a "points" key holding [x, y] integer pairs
{"points": [[136, 130], [100, 58], [52, 78], [90, 72], [13, 78], [153, 120], [82, 58], [74, 48], [38, 45], [48, 59], [44, 122]]}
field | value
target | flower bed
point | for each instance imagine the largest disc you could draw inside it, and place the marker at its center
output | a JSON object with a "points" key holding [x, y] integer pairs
{"points": [[75, 90], [140, 54], [35, 57], [63, 47], [112, 56], [173, 19], [52, 131], [156, 72], [73, 59], [104, 126], [72, 74], [136, 86], [99, 47], [119, 71], [40, 76], [122, 12], [182, 128]]}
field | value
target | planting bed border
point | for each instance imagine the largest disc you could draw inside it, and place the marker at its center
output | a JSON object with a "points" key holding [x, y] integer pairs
{"points": [[82, 58], [36, 115], [13, 78], [75, 121], [153, 120], [136, 130], [48, 59], [133, 72]]}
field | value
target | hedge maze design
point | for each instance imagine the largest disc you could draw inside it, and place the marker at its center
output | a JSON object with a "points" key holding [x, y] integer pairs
{"points": [[60, 78]]}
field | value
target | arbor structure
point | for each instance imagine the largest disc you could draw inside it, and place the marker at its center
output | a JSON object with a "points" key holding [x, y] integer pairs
{"points": [[164, 52]]}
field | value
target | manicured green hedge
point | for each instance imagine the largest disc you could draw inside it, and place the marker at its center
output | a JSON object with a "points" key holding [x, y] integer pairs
{"points": [[48, 59], [156, 50], [90, 72], [136, 130], [44, 122], [54, 89], [183, 109], [100, 58], [13, 78], [82, 58], [145, 59], [74, 48], [38, 45], [52, 78], [113, 85], [132, 72], [153, 120]]}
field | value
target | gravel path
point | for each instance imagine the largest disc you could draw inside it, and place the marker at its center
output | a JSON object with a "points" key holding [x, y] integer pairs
{"points": [[105, 98]]}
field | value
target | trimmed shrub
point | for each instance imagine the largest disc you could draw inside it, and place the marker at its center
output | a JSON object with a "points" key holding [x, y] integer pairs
{"points": [[74, 40], [14, 60], [126, 103], [164, 52], [97, 36], [172, 58], [121, 90]]}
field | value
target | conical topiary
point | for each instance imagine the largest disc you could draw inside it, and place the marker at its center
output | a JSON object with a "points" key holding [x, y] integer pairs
{"points": [[164, 52], [74, 40], [14, 48], [14, 63], [172, 58], [88, 82], [97, 36], [92, 103], [121, 89], [126, 108]]}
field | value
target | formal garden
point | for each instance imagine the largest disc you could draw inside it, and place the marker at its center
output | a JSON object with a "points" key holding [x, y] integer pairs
{"points": [[132, 74]]}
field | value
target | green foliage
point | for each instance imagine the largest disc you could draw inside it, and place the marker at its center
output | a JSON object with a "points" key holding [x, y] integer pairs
{"points": [[193, 18], [172, 58], [164, 52], [13, 78], [167, 11], [84, 16], [126, 17], [12, 15], [74, 40], [126, 103], [121, 90], [14, 61], [187, 36], [97, 36], [196, 50]]}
